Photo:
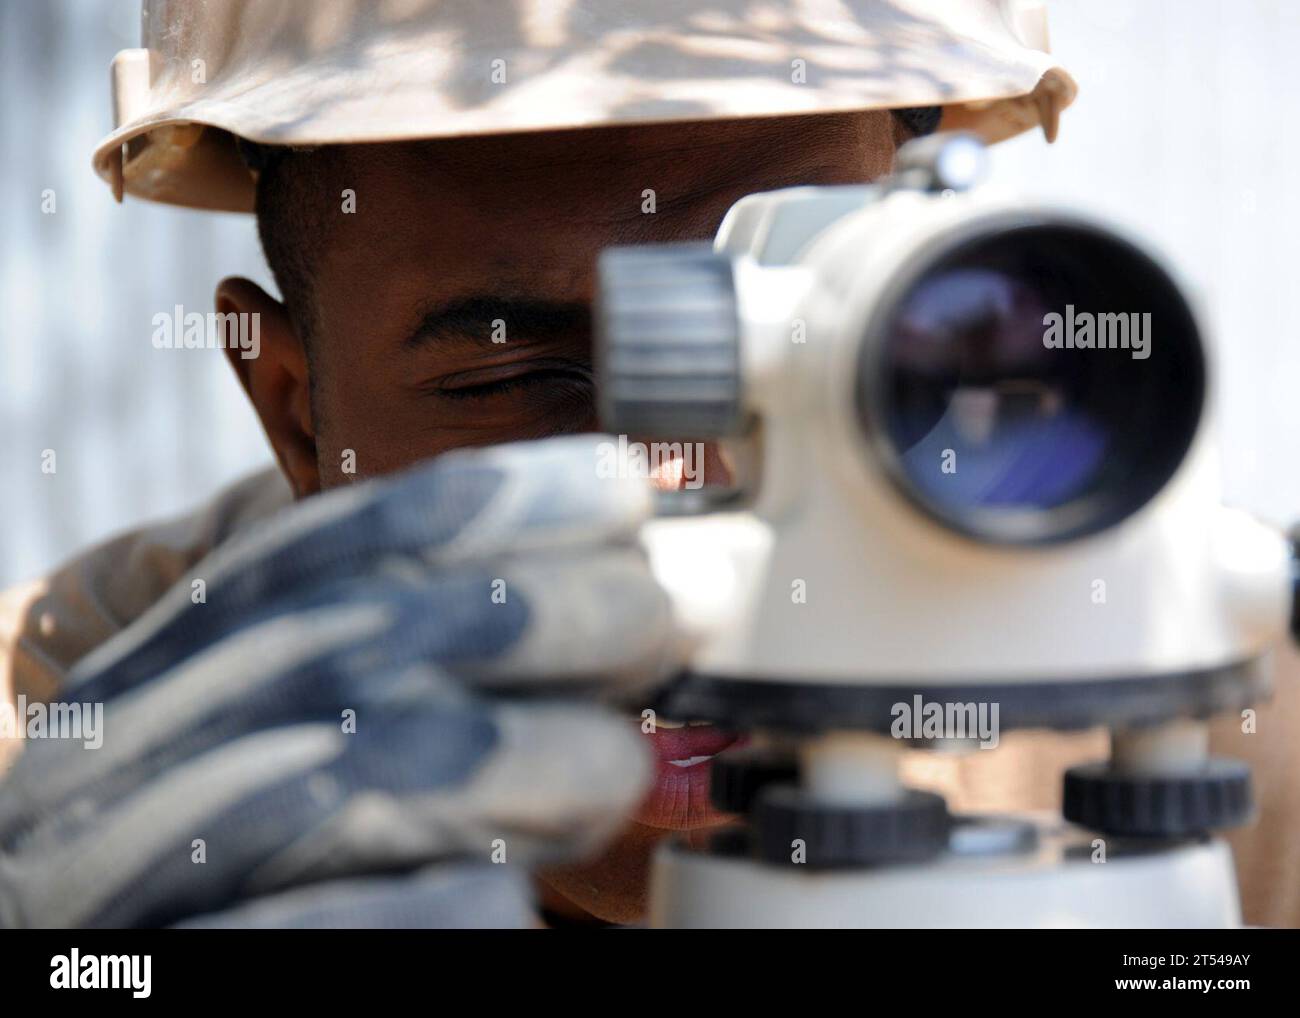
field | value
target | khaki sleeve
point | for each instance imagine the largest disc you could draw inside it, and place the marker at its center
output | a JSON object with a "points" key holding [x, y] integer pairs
{"points": [[48, 625]]}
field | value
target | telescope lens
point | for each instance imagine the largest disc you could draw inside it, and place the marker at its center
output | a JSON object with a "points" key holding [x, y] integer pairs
{"points": [[1036, 383]]}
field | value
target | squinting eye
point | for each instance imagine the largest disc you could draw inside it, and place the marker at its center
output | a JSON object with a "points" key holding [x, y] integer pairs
{"points": [[564, 379]]}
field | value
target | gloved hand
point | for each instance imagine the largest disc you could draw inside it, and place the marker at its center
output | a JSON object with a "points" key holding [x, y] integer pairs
{"points": [[351, 728]]}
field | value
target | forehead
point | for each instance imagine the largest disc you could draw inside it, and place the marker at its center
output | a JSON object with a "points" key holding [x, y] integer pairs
{"points": [[505, 175], [531, 211]]}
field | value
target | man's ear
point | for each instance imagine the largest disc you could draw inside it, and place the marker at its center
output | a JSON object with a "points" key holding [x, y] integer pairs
{"points": [[276, 380]]}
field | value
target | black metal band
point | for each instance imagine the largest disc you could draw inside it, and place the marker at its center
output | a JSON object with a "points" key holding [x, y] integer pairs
{"points": [[745, 704]]}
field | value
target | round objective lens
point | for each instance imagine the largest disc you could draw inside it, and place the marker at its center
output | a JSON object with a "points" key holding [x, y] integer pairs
{"points": [[1035, 383]]}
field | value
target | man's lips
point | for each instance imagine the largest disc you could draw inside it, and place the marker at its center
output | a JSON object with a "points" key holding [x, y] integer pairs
{"points": [[679, 799], [694, 740]]}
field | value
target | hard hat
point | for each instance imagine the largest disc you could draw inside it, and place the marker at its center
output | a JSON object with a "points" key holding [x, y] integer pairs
{"points": [[313, 72]]}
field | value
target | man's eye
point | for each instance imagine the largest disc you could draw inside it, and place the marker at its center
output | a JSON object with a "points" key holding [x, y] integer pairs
{"points": [[558, 377]]}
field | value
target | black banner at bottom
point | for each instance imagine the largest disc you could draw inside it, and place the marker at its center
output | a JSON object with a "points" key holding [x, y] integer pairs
{"points": [[341, 968]]}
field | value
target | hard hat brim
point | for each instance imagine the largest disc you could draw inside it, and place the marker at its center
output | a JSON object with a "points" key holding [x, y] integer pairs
{"points": [[289, 82]]}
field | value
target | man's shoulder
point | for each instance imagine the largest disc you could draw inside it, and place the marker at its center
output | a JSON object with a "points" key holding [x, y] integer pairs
{"points": [[50, 623]]}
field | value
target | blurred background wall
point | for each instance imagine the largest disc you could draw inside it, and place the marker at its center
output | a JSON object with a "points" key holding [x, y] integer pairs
{"points": [[1182, 132], [137, 432]]}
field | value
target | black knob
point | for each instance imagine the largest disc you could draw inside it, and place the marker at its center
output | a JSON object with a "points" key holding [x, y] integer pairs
{"points": [[667, 342], [737, 776], [1213, 796], [835, 835]]}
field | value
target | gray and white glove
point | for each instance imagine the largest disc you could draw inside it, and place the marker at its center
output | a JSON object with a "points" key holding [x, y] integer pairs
{"points": [[386, 690]]}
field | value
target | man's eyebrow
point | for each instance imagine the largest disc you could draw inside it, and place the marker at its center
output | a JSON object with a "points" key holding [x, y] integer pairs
{"points": [[475, 319]]}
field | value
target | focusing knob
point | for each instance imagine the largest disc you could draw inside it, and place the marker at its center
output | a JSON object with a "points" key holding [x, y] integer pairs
{"points": [[836, 835], [1162, 806], [737, 776], [667, 342], [949, 161]]}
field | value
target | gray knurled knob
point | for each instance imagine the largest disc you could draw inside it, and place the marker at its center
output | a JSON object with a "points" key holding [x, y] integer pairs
{"points": [[1214, 797], [667, 342]]}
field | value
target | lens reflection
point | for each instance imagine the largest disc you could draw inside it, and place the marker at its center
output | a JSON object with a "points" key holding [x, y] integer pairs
{"points": [[985, 418], [971, 375]]}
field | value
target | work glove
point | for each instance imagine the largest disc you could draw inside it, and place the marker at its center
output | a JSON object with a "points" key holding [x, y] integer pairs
{"points": [[378, 708]]}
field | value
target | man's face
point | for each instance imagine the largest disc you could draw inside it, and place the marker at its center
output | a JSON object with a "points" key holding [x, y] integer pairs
{"points": [[456, 243]]}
